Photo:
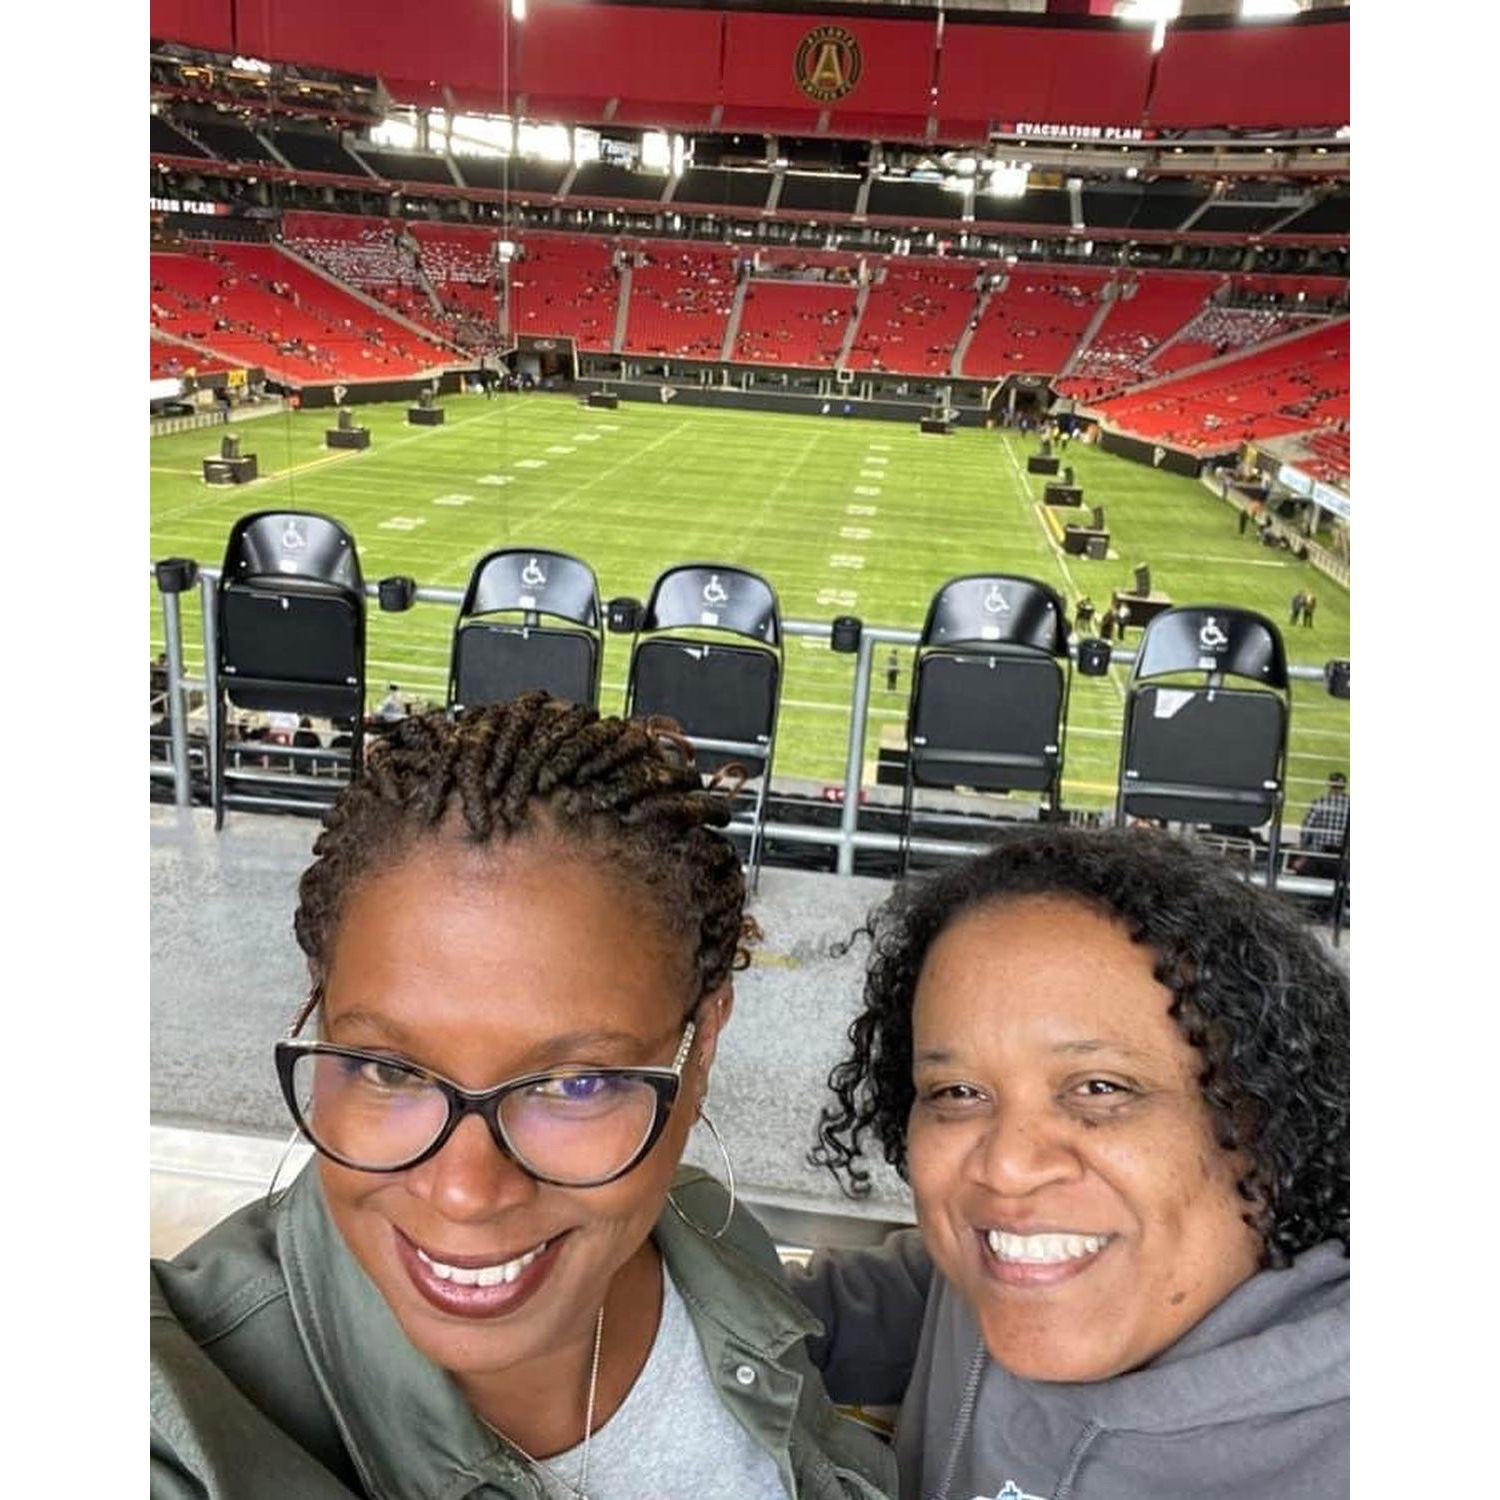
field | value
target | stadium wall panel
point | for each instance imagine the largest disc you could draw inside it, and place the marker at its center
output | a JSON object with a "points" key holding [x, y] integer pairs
{"points": [[361, 393], [197, 23], [774, 401], [1153, 455], [1271, 76]]}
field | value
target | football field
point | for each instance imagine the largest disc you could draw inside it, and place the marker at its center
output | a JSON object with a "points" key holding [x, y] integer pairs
{"points": [[841, 516]]}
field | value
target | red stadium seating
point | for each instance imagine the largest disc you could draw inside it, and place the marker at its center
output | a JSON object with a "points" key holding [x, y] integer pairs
{"points": [[794, 322], [1300, 384], [252, 305], [915, 316], [1035, 322], [680, 300], [1135, 327], [566, 285]]}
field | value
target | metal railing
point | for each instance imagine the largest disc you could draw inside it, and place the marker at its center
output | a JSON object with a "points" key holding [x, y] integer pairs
{"points": [[846, 839]]}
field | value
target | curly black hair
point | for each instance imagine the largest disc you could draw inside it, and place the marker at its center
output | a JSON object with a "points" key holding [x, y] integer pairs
{"points": [[488, 774], [1251, 989]]}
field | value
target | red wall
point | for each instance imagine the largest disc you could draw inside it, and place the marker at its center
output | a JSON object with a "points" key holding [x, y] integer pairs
{"points": [[196, 23], [672, 67], [1067, 76], [1252, 77]]}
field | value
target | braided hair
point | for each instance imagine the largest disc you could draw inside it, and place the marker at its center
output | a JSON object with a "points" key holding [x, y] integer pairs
{"points": [[1251, 990], [535, 764]]}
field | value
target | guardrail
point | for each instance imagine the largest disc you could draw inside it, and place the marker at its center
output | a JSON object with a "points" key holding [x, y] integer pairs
{"points": [[848, 838]]}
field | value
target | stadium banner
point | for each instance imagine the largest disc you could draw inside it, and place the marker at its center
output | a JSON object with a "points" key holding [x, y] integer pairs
{"points": [[361, 392], [1156, 455], [782, 71], [997, 72], [661, 66], [1273, 76]]}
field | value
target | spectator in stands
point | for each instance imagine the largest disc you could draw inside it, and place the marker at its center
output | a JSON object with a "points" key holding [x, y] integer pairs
{"points": [[1116, 1076], [525, 914], [1327, 820]]}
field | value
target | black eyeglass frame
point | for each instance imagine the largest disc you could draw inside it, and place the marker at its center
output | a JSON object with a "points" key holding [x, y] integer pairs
{"points": [[665, 1082]]}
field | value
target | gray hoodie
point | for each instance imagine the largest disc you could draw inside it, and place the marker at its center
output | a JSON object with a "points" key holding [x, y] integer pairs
{"points": [[1251, 1404]]}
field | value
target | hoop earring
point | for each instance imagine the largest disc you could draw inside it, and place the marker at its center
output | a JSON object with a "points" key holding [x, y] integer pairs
{"points": [[286, 1151], [728, 1172]]}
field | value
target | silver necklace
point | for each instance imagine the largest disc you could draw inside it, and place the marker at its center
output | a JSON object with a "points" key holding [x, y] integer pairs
{"points": [[579, 1487]]}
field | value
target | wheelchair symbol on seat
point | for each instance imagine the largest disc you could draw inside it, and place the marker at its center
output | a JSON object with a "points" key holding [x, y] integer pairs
{"points": [[292, 539], [995, 602], [1211, 637], [714, 592], [533, 576]]}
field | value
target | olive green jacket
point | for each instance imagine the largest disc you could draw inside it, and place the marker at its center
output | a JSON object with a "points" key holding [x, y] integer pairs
{"points": [[278, 1371]]}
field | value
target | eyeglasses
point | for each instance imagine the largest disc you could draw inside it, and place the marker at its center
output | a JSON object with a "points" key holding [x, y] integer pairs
{"points": [[571, 1127]]}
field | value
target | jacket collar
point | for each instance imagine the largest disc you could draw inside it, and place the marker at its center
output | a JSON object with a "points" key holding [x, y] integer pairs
{"points": [[409, 1431]]}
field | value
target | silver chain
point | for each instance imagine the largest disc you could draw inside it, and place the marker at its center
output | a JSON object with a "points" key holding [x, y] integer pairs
{"points": [[580, 1486]]}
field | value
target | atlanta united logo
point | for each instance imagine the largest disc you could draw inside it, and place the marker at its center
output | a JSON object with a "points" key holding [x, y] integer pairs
{"points": [[827, 64]]}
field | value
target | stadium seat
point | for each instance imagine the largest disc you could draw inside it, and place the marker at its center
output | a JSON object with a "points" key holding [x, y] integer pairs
{"points": [[726, 698], [989, 694], [1195, 751], [495, 659], [290, 622]]}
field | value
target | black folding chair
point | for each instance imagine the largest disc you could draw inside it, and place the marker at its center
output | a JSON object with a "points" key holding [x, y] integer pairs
{"points": [[1195, 751], [501, 648], [989, 695], [725, 697], [290, 623]]}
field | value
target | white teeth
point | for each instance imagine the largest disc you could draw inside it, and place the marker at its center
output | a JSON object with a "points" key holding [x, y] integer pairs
{"points": [[1043, 1249], [505, 1271]]}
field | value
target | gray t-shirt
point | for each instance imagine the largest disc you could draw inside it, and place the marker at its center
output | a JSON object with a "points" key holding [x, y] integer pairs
{"points": [[671, 1435]]}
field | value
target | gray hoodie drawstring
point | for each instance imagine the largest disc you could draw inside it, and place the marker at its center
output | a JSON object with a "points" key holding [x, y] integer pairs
{"points": [[1064, 1490], [964, 1418]]}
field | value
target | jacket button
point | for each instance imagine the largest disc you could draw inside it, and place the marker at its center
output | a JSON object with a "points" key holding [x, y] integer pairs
{"points": [[745, 1375]]}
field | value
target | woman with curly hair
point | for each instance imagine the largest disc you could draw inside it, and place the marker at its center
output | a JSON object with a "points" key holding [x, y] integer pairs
{"points": [[1116, 1078], [520, 929]]}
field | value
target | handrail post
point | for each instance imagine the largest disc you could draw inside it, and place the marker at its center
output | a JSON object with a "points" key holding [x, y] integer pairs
{"points": [[208, 587], [171, 614], [859, 713]]}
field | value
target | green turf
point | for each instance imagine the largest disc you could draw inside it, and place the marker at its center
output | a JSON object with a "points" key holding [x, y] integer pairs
{"points": [[644, 487]]}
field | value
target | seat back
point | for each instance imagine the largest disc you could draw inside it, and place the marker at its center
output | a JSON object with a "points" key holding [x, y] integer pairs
{"points": [[291, 616], [989, 720], [1200, 752], [495, 659], [713, 691], [1203, 755]]}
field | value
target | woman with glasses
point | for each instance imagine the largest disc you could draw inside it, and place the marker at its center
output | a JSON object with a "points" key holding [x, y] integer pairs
{"points": [[520, 928], [1116, 1077]]}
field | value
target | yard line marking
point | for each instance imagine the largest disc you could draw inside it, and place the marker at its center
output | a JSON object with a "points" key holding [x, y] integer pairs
{"points": [[531, 463], [561, 448], [872, 473], [403, 523], [846, 560], [860, 510], [841, 598], [451, 499], [495, 479], [856, 533], [585, 437], [867, 489], [1243, 562], [609, 427]]}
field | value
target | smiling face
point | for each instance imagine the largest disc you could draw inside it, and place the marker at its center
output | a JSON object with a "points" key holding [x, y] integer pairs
{"points": [[1065, 1167], [483, 964]]}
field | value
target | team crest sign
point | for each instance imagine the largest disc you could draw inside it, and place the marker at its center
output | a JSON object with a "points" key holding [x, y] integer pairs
{"points": [[827, 64]]}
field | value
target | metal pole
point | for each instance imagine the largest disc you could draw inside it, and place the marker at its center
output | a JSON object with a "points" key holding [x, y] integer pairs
{"points": [[171, 615], [859, 713], [208, 593]]}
